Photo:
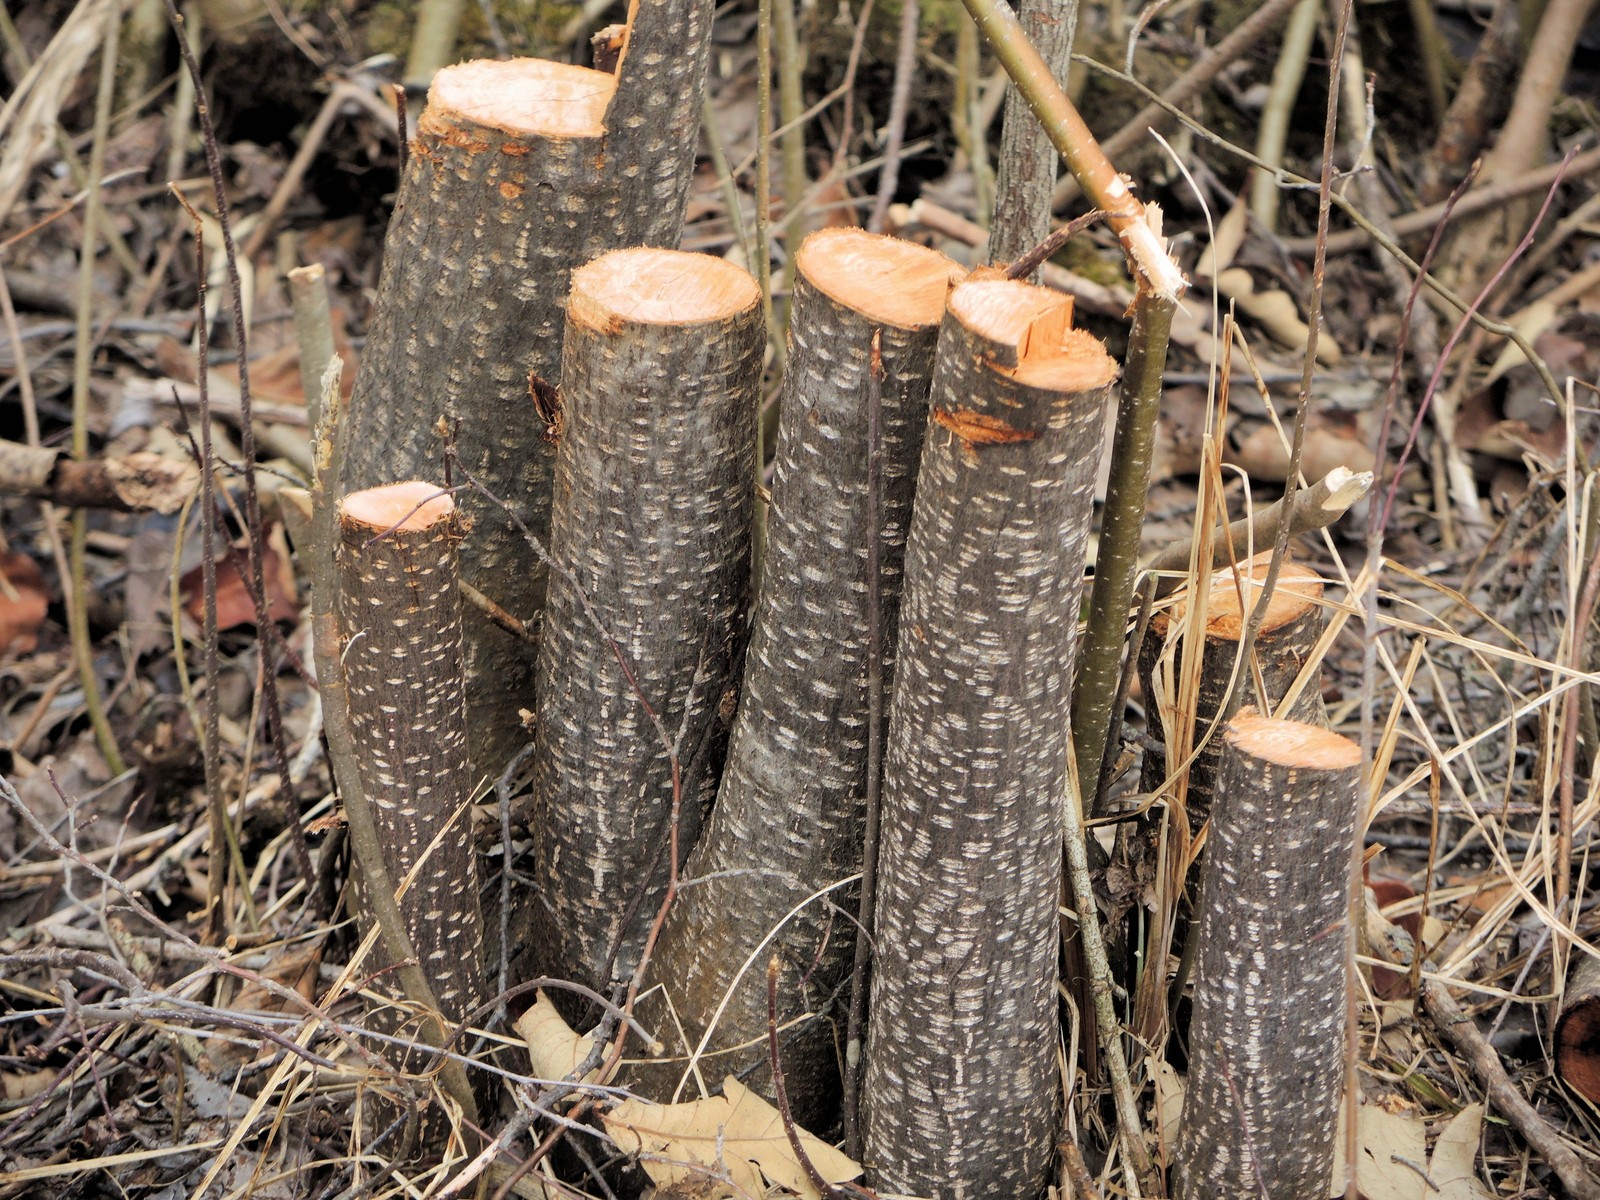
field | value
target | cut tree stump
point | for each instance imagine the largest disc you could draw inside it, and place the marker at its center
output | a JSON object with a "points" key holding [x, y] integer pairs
{"points": [[790, 808], [1266, 1046], [520, 171], [646, 612], [1283, 645], [961, 1086], [399, 605]]}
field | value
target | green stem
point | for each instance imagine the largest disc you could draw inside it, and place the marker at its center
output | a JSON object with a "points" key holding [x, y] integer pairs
{"points": [[1117, 561], [1141, 240]]}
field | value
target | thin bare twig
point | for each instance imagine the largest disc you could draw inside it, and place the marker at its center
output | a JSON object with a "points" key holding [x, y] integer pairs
{"points": [[905, 69]]}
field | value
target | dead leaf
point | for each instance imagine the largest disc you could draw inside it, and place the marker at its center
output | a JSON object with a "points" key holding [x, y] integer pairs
{"points": [[23, 604], [1393, 1162], [234, 607], [1391, 1154], [736, 1135], [1450, 1168], [1169, 1101], [1277, 313], [553, 1048]]}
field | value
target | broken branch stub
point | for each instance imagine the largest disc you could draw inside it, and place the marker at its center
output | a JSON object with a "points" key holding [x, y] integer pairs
{"points": [[650, 541], [961, 1080], [520, 171], [791, 797]]}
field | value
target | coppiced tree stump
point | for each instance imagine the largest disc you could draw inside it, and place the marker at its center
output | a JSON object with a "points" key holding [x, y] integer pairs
{"points": [[399, 606], [789, 813], [520, 171], [1266, 1047], [650, 537], [961, 1085], [1284, 644]]}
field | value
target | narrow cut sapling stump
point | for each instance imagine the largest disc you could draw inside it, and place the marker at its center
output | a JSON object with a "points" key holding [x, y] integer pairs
{"points": [[1266, 1045], [790, 808], [1183, 714], [399, 606], [1283, 645], [520, 171], [650, 542], [962, 1086]]}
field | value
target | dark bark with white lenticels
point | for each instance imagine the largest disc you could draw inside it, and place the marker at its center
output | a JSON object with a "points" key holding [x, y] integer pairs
{"points": [[1266, 1045], [789, 813], [399, 606], [520, 171], [650, 537], [961, 1086]]}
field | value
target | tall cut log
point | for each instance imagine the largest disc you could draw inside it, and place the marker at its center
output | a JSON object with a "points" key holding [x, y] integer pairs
{"points": [[1283, 645], [646, 612], [1266, 1047], [399, 605], [520, 171], [961, 1082], [789, 813]]}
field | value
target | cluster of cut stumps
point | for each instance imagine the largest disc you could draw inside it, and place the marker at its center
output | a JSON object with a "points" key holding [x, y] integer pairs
{"points": [[701, 759]]}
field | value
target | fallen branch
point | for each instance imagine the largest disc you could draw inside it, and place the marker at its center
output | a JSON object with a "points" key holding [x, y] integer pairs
{"points": [[140, 482], [1312, 508], [1458, 1028]]}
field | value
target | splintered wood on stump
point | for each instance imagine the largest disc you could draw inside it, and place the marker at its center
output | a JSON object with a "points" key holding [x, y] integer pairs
{"points": [[961, 1082], [1266, 1046], [520, 171], [789, 812], [399, 604], [1284, 644], [650, 538]]}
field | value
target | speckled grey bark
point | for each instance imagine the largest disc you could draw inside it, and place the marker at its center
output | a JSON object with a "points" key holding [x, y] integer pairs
{"points": [[1026, 174], [788, 819], [1280, 653], [486, 231], [961, 1080], [1266, 1045], [653, 502], [400, 611]]}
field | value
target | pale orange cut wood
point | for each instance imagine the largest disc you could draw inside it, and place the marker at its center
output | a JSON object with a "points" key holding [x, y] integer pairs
{"points": [[1030, 330], [1232, 599], [526, 97], [886, 280], [658, 287], [408, 507], [1291, 744]]}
